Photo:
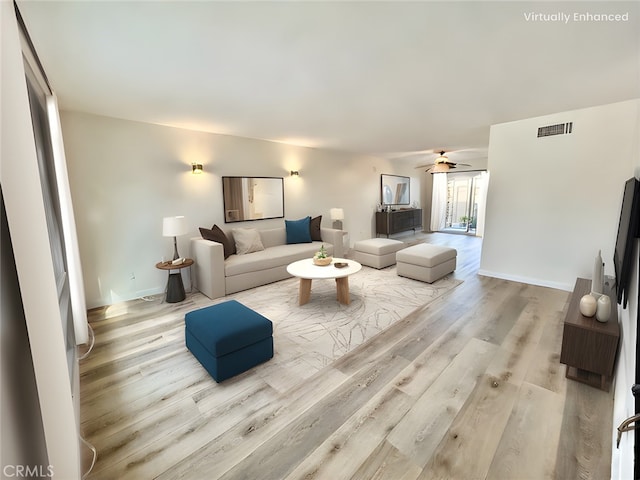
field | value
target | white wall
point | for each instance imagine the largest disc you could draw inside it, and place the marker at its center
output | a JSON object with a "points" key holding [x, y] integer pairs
{"points": [[126, 176], [622, 462], [554, 202], [22, 434], [625, 377]]}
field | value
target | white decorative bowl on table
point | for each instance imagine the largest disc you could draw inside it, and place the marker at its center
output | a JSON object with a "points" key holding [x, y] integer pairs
{"points": [[323, 262]]}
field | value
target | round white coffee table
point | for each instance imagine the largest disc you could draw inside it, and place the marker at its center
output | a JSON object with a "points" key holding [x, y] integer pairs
{"points": [[306, 271]]}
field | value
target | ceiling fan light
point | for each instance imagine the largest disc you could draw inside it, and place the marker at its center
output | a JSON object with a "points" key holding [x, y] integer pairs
{"points": [[440, 168], [442, 158]]}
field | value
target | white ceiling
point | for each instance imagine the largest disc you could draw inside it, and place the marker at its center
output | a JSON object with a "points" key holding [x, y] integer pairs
{"points": [[381, 78]]}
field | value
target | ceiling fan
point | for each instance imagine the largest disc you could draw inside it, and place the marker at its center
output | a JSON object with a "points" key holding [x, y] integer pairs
{"points": [[442, 164]]}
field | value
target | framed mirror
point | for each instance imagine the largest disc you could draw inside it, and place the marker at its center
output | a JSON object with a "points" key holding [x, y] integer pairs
{"points": [[394, 189], [252, 198]]}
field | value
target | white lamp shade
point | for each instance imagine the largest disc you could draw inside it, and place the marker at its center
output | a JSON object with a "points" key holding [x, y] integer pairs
{"points": [[336, 214], [440, 168], [174, 226]]}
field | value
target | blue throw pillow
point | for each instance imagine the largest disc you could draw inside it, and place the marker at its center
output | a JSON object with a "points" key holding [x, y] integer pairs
{"points": [[298, 230]]}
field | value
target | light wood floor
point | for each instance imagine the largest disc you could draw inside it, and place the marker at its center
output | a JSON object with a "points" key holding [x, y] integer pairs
{"points": [[469, 387]]}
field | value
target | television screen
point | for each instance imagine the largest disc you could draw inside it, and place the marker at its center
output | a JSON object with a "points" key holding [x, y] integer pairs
{"points": [[628, 229]]}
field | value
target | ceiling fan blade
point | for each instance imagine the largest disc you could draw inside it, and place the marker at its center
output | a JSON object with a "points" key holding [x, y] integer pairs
{"points": [[428, 168]]}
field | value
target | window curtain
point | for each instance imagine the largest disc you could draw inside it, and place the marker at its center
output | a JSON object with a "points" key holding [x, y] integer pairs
{"points": [[483, 183], [439, 201], [70, 236]]}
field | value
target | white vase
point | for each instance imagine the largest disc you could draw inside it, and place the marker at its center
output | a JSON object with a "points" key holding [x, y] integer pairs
{"points": [[588, 306], [603, 309], [597, 283]]}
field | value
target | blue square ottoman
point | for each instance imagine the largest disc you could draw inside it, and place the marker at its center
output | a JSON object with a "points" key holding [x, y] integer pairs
{"points": [[228, 338]]}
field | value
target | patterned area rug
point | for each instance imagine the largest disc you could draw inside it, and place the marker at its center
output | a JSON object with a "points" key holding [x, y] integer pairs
{"points": [[323, 330]]}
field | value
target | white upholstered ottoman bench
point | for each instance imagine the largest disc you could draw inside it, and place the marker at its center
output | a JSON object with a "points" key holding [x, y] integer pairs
{"points": [[425, 262], [377, 252]]}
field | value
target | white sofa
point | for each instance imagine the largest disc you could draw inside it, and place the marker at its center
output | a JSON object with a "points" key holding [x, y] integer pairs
{"points": [[217, 277]]}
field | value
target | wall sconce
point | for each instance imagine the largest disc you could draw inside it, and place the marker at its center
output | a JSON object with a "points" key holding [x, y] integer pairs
{"points": [[196, 168], [337, 215], [295, 173]]}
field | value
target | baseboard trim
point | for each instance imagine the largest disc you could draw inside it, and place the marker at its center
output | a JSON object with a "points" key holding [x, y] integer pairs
{"points": [[528, 280], [115, 299]]}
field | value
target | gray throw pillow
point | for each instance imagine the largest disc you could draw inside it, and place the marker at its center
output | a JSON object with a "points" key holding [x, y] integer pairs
{"points": [[247, 240]]}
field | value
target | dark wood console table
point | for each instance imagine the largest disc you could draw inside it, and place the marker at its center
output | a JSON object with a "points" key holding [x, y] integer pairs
{"points": [[589, 347], [388, 223]]}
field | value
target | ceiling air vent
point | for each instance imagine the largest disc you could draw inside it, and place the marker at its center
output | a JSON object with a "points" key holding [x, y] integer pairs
{"points": [[559, 129]]}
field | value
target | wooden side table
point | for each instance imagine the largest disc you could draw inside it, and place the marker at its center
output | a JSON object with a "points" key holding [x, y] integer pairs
{"points": [[175, 287], [589, 347]]}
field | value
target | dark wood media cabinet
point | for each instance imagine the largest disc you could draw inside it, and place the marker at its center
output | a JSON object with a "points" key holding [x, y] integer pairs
{"points": [[388, 223], [589, 347]]}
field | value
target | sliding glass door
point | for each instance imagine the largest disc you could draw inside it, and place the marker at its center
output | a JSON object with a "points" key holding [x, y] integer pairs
{"points": [[464, 197]]}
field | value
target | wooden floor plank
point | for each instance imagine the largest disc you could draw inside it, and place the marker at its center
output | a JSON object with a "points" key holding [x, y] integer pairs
{"points": [[547, 371], [221, 454], [587, 417], [470, 444], [518, 348], [159, 444], [387, 463], [418, 434], [425, 368], [139, 399], [356, 439], [302, 436], [528, 447]]}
